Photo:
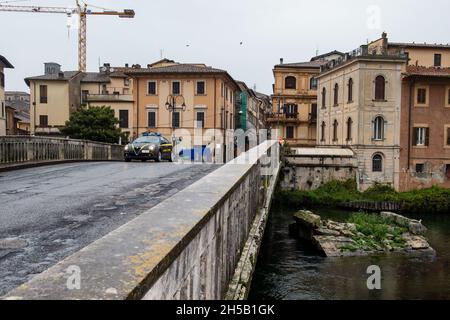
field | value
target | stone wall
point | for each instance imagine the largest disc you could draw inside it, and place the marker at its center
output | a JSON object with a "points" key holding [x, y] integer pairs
{"points": [[187, 247], [310, 171], [389, 174]]}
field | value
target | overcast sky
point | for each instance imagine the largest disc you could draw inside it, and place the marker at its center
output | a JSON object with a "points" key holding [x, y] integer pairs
{"points": [[210, 31]]}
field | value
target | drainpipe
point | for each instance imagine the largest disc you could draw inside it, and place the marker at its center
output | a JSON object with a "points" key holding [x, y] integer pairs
{"points": [[411, 93], [137, 107], [215, 107], [34, 106]]}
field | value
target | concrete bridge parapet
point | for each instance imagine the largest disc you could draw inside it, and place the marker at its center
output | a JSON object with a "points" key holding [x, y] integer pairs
{"points": [[187, 247], [23, 151]]}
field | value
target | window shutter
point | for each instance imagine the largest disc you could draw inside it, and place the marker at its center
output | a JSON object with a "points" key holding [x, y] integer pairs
{"points": [[427, 137], [448, 136], [152, 119], [414, 142]]}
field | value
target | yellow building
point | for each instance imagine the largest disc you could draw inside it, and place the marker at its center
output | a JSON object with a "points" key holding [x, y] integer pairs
{"points": [[359, 108], [204, 104], [418, 54], [113, 89], [3, 64], [294, 100], [57, 94]]}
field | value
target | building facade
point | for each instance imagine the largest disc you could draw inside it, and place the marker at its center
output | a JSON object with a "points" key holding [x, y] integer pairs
{"points": [[4, 63], [425, 113], [19, 101], [251, 110], [418, 54], [111, 88], [294, 100], [191, 101], [359, 108], [55, 95], [425, 128]]}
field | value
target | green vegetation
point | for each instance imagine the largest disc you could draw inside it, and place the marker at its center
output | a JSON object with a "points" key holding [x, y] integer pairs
{"points": [[95, 124], [432, 200], [375, 233]]}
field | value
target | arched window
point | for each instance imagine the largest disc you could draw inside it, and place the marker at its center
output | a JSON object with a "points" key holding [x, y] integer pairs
{"points": [[290, 83], [349, 129], [377, 163], [335, 130], [350, 90], [378, 128], [336, 94], [324, 96], [380, 88], [322, 131]]}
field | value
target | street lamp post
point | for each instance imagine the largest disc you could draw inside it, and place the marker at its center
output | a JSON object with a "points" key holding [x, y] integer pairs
{"points": [[171, 106]]}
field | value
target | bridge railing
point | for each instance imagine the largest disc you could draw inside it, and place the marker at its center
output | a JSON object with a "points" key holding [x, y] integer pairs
{"points": [[195, 245], [22, 150]]}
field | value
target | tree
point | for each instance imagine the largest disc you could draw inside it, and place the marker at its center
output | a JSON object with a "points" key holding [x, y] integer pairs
{"points": [[95, 124]]}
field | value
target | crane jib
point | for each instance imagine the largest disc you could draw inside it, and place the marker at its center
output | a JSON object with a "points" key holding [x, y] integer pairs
{"points": [[83, 11]]}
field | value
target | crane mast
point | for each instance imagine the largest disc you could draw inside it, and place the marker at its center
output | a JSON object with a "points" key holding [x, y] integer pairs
{"points": [[82, 11]]}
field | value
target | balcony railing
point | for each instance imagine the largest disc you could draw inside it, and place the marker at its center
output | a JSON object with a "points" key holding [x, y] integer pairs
{"points": [[363, 51], [108, 98], [284, 117]]}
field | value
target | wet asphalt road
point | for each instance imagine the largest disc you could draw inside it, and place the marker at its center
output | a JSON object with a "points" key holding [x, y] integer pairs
{"points": [[48, 213]]}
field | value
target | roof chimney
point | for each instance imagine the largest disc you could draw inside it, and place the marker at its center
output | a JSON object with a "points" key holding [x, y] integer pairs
{"points": [[52, 68], [281, 60], [384, 49], [126, 65]]}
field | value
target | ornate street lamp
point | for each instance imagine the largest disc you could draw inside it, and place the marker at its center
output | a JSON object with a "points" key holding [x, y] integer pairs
{"points": [[171, 106]]}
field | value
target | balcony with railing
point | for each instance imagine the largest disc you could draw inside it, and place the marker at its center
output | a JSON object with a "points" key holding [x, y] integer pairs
{"points": [[284, 118], [109, 95]]}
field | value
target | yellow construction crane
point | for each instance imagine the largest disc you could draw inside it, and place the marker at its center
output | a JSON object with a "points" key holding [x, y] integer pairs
{"points": [[82, 11]]}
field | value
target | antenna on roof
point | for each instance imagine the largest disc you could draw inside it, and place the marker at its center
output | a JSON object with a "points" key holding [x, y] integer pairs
{"points": [[161, 52]]}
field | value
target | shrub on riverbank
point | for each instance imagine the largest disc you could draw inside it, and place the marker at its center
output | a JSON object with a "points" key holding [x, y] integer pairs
{"points": [[375, 233], [432, 200]]}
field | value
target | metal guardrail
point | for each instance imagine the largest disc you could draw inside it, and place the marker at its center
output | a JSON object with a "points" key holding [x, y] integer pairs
{"points": [[25, 149]]}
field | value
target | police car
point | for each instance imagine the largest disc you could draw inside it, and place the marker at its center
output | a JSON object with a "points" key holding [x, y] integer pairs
{"points": [[151, 146]]}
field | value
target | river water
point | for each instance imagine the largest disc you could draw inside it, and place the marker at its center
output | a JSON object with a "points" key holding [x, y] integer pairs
{"points": [[290, 269]]}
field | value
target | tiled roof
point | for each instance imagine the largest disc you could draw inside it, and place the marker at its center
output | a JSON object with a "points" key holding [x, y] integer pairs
{"points": [[178, 68], [261, 95], [419, 45], [165, 60], [309, 64], [323, 152], [66, 75], [95, 77], [22, 116], [427, 71], [88, 77], [5, 62], [322, 56], [23, 93]]}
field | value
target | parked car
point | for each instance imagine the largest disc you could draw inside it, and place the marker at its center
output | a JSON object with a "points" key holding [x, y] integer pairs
{"points": [[151, 146], [196, 154]]}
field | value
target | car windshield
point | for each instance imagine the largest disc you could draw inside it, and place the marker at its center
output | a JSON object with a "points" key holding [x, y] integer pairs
{"points": [[147, 140]]}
